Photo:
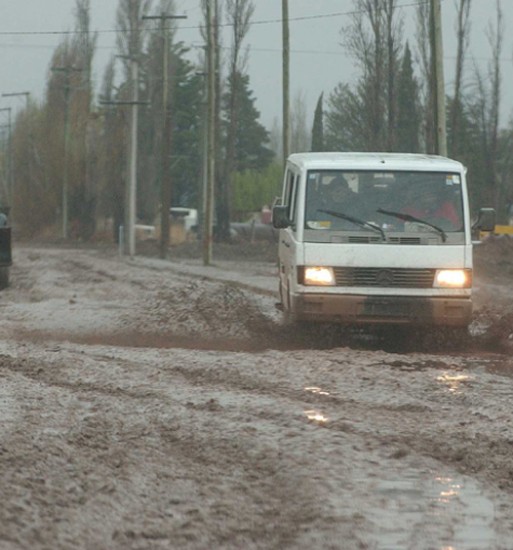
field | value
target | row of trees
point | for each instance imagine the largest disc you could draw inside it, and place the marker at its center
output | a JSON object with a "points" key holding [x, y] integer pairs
{"points": [[74, 146], [391, 106]]}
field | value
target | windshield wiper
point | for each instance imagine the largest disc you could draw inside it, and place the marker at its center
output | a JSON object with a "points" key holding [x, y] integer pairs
{"points": [[356, 221], [408, 218]]}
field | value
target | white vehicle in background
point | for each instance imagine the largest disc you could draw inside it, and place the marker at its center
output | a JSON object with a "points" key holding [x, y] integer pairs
{"points": [[381, 258], [189, 217]]}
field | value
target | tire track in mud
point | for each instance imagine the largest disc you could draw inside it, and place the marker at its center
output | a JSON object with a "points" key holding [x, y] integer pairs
{"points": [[477, 454], [101, 437]]}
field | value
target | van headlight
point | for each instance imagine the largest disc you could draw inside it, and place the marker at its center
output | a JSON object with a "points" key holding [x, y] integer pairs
{"points": [[453, 278], [319, 276]]}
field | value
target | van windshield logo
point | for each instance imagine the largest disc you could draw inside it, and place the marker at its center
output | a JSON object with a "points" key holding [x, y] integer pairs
{"points": [[385, 277]]}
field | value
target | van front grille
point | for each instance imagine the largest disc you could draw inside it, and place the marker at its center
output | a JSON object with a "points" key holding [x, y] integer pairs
{"points": [[384, 277]]}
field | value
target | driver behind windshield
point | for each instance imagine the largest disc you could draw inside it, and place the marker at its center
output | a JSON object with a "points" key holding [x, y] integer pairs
{"points": [[338, 196], [432, 205]]}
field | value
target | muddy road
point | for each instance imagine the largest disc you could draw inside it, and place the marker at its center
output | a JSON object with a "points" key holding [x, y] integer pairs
{"points": [[153, 405]]}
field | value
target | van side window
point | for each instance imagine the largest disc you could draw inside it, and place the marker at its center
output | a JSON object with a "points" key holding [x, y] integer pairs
{"points": [[291, 196]]}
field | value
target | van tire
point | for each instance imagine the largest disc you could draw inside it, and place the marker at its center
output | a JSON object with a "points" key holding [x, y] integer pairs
{"points": [[4, 277]]}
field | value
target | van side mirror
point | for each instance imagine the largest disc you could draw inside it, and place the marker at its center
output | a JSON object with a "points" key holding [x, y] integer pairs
{"points": [[485, 220], [281, 217]]}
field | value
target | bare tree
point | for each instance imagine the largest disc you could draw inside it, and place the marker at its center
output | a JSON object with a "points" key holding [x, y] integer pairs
{"points": [[373, 38], [496, 39], [112, 143], [393, 48], [427, 78], [486, 106], [462, 33], [87, 191], [239, 13], [130, 40], [85, 42]]}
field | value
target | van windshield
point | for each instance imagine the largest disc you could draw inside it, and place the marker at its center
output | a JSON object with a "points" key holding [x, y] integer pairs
{"points": [[394, 201]]}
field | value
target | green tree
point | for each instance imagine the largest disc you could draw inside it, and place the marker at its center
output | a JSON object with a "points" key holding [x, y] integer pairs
{"points": [[36, 195], [408, 117], [254, 188], [112, 159], [318, 126], [185, 91], [347, 121], [251, 137]]}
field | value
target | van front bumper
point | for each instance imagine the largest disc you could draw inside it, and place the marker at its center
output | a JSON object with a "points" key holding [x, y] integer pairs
{"points": [[353, 309]]}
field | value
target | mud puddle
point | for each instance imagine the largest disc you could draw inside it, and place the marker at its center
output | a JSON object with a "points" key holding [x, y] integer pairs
{"points": [[286, 338], [450, 510]]}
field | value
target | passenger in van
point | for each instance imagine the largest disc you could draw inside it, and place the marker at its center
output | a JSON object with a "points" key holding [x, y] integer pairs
{"points": [[337, 195], [432, 205]]}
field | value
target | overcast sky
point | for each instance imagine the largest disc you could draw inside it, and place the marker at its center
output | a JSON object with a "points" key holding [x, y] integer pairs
{"points": [[318, 62]]}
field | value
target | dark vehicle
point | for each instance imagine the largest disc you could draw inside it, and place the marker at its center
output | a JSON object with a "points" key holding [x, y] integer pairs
{"points": [[5, 247]]}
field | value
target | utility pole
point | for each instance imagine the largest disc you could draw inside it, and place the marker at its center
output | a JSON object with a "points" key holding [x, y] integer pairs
{"points": [[204, 141], [165, 178], [438, 75], [131, 187], [67, 95], [19, 94], [211, 127], [8, 186], [130, 216], [286, 80]]}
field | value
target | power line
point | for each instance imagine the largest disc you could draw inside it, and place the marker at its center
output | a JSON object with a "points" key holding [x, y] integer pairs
{"points": [[197, 27], [259, 50]]}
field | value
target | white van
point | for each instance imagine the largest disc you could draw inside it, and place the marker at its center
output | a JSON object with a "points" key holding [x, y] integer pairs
{"points": [[396, 249]]}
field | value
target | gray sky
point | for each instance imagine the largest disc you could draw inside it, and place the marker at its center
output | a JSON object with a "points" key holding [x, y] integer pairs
{"points": [[318, 62]]}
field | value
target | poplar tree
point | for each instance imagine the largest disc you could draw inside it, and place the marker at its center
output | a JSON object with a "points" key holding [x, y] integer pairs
{"points": [[239, 13], [318, 126], [408, 117], [364, 116]]}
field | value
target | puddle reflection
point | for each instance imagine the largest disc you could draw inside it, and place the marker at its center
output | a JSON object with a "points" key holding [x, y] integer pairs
{"points": [[449, 491], [317, 391], [454, 382], [451, 509], [316, 416]]}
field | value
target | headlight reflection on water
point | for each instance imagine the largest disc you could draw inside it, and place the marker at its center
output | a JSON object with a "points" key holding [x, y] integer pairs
{"points": [[317, 391], [450, 489], [453, 381], [316, 416]]}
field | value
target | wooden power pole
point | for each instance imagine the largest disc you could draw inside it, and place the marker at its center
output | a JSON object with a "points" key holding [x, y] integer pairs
{"points": [[165, 137], [65, 183], [286, 80], [438, 75], [211, 132], [131, 186]]}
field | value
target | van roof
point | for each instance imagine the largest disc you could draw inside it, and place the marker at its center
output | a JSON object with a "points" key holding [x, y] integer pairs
{"points": [[375, 161]]}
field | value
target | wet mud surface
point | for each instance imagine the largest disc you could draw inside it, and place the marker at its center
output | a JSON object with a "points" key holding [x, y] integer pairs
{"points": [[146, 404]]}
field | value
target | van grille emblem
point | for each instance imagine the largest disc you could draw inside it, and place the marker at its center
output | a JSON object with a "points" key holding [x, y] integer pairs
{"points": [[385, 277]]}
